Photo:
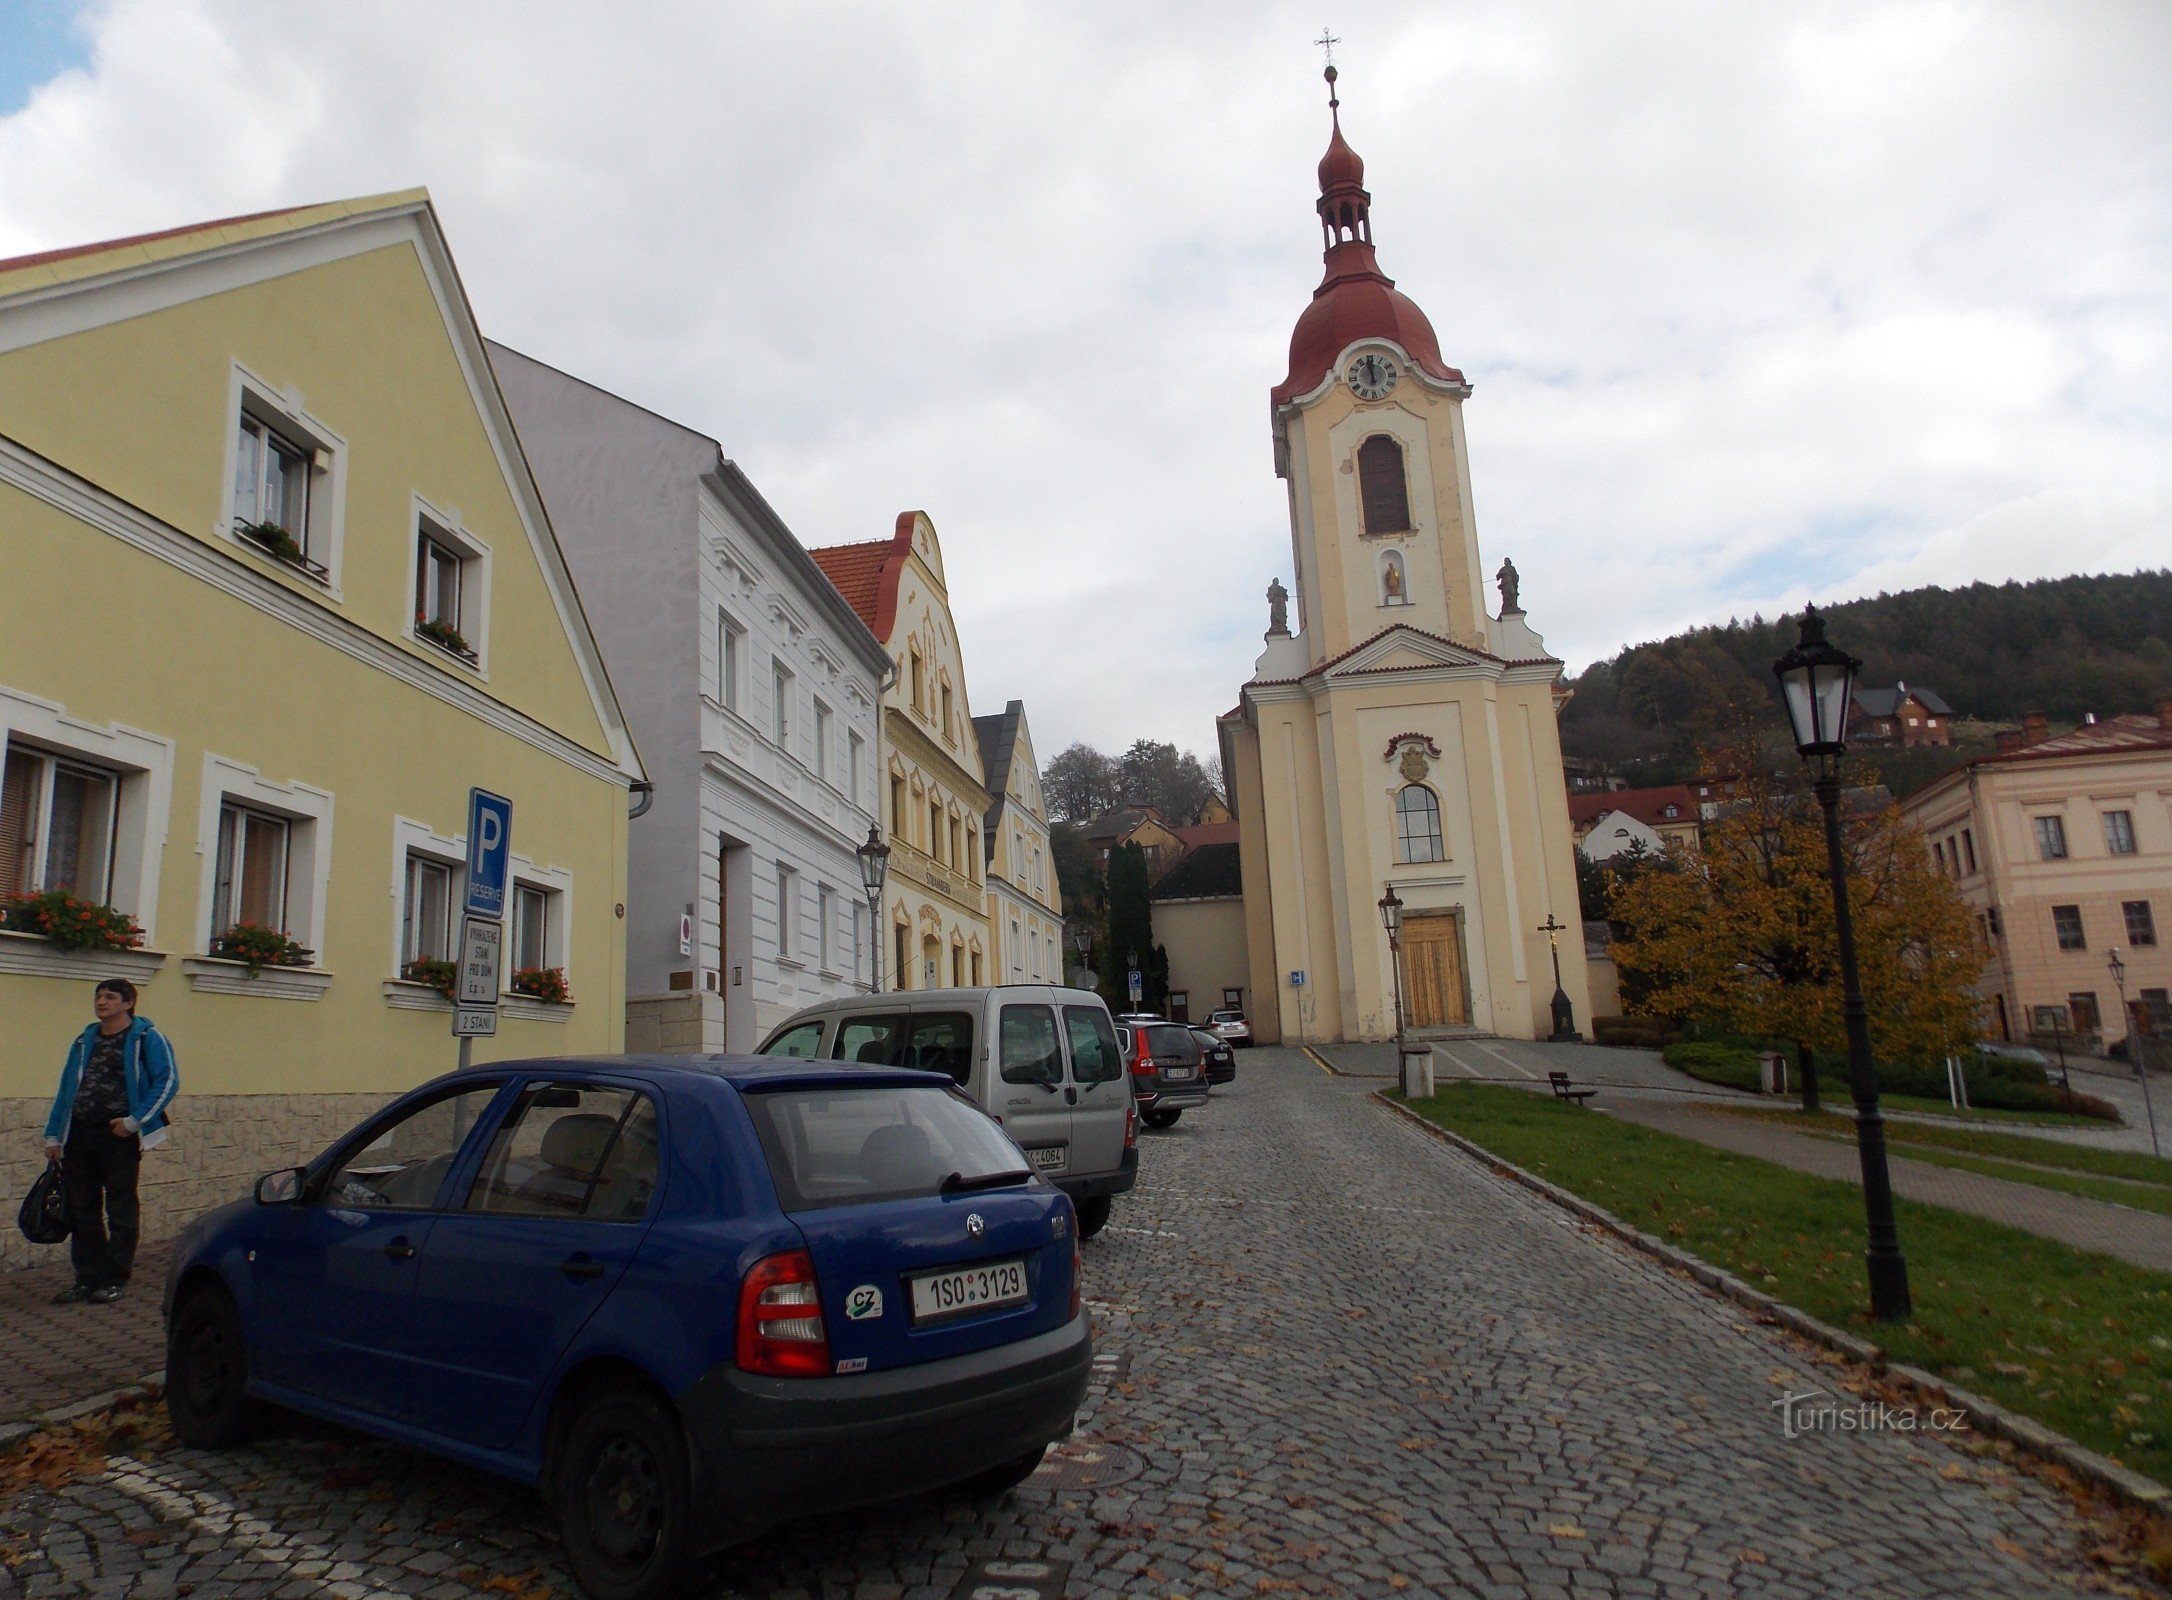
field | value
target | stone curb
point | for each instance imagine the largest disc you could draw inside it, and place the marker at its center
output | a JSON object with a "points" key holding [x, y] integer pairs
{"points": [[2124, 1484], [13, 1435]]}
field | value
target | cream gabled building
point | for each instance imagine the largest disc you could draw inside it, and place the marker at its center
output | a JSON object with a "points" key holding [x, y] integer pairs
{"points": [[1399, 734], [934, 795], [1025, 907]]}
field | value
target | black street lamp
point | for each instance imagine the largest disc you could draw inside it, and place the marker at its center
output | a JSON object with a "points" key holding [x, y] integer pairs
{"points": [[874, 867], [2134, 1046], [1082, 941], [1391, 918], [1564, 1013], [1818, 682]]}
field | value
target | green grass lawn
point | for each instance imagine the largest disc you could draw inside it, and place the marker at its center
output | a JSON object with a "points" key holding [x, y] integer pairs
{"points": [[2124, 1177], [2020, 1119], [2081, 1342]]}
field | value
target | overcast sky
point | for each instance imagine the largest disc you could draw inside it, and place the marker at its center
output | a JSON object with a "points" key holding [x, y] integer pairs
{"points": [[1760, 302]]}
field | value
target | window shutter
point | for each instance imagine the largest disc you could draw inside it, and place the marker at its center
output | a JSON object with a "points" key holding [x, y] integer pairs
{"points": [[1381, 486], [18, 820]]}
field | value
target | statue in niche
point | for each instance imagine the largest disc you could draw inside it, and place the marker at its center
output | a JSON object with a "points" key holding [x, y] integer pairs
{"points": [[1278, 608], [1508, 579], [1391, 581]]}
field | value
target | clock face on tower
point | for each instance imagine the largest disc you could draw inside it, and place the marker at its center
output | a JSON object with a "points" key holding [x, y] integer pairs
{"points": [[1371, 375]]}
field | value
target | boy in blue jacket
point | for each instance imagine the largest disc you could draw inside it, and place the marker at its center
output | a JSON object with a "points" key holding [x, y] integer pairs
{"points": [[114, 1090]]}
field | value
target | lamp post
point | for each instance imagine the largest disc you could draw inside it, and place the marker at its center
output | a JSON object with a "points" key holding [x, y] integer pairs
{"points": [[1082, 941], [1817, 680], [2134, 1046], [1417, 1082], [874, 867], [1564, 1013]]}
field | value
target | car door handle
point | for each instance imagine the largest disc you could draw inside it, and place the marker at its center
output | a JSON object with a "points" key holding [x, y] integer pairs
{"points": [[399, 1250], [1070, 1096], [580, 1267]]}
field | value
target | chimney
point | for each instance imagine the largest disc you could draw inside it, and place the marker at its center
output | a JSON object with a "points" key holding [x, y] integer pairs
{"points": [[2164, 711], [2009, 740], [2035, 728]]}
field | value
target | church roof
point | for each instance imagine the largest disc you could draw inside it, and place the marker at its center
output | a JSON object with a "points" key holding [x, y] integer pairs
{"points": [[1355, 299]]}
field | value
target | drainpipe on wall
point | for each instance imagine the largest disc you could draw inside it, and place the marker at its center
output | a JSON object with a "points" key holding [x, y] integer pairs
{"points": [[644, 793]]}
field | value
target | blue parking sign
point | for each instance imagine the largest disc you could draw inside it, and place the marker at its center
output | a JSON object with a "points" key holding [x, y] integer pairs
{"points": [[490, 852]]}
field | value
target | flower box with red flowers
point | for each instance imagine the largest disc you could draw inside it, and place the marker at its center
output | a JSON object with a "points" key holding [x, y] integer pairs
{"points": [[446, 637], [72, 924], [543, 983]]}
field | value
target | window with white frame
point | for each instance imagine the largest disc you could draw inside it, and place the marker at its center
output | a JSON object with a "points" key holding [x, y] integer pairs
{"points": [[780, 694], [283, 489], [825, 909], [426, 911], [731, 647], [2119, 832], [821, 740], [249, 882], [59, 824], [532, 928], [787, 913]]}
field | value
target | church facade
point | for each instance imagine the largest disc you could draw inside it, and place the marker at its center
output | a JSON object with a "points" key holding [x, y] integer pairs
{"points": [[1399, 735]]}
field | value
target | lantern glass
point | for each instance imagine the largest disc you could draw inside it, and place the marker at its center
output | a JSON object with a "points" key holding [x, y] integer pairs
{"points": [[1817, 681], [874, 862], [1391, 913]]}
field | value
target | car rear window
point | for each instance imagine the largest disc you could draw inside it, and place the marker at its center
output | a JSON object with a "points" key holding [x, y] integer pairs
{"points": [[1173, 1041], [850, 1146]]}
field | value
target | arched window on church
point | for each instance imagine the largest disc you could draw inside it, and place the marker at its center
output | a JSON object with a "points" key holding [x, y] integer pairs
{"points": [[1417, 824], [1394, 579], [1381, 489]]}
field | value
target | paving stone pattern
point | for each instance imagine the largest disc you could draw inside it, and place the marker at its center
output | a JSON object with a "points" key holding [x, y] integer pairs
{"points": [[1350, 1362], [52, 1356]]}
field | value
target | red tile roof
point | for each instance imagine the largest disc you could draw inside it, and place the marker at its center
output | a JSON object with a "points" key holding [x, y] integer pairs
{"points": [[2111, 736], [42, 257], [856, 570], [1648, 806], [867, 574], [1206, 833]]}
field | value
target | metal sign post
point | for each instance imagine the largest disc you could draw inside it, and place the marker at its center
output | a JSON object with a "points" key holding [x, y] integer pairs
{"points": [[1135, 981], [482, 929]]}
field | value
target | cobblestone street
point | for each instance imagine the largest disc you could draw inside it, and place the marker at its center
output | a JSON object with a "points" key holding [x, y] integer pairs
{"points": [[1338, 1359]]}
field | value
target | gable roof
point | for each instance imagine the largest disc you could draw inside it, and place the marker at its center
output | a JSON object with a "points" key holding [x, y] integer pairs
{"points": [[2112, 736], [1648, 806], [1201, 834], [43, 289], [1210, 871], [867, 574], [1887, 702], [1119, 821], [998, 737]]}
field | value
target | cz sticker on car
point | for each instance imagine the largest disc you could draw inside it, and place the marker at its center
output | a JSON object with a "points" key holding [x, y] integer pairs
{"points": [[938, 1295], [863, 1303]]}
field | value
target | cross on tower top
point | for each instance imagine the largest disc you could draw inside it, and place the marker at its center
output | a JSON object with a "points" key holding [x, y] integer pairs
{"points": [[1327, 42]]}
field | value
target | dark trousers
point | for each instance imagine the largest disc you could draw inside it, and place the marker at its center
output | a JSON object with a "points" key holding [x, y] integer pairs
{"points": [[98, 1169]]}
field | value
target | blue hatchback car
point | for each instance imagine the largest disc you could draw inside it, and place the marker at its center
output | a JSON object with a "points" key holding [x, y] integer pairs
{"points": [[689, 1297]]}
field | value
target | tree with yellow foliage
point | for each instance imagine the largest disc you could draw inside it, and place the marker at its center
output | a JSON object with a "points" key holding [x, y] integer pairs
{"points": [[1738, 932]]}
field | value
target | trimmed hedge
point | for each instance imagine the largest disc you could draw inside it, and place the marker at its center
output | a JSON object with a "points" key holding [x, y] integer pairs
{"points": [[1643, 1033], [1994, 1082]]}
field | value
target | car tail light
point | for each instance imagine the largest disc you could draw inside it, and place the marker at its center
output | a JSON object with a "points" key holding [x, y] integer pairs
{"points": [[780, 1319], [1074, 1281]]}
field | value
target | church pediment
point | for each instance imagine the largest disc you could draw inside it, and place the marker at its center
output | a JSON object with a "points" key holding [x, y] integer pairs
{"points": [[1404, 649]]}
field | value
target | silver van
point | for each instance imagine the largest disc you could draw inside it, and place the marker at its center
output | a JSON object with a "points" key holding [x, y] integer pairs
{"points": [[1043, 1061]]}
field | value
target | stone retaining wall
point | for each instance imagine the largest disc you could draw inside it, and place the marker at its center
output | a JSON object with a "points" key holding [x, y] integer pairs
{"points": [[219, 1146]]}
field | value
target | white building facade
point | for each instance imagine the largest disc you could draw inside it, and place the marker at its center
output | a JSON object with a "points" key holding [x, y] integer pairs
{"points": [[754, 691], [1025, 907]]}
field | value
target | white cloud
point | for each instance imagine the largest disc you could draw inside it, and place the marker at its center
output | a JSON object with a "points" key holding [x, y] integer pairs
{"points": [[1757, 300]]}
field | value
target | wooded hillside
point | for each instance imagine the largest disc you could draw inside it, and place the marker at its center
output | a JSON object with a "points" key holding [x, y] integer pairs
{"points": [[2063, 646]]}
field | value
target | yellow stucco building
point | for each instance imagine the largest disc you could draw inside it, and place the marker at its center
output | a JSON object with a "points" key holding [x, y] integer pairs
{"points": [[279, 591], [1399, 735], [935, 800]]}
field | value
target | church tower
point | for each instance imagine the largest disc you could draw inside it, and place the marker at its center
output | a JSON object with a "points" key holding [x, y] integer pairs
{"points": [[1400, 735]]}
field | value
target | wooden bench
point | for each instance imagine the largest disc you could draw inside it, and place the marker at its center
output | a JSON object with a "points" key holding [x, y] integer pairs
{"points": [[1564, 1091]]}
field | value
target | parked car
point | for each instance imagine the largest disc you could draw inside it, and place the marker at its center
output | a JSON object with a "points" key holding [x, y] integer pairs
{"points": [[1219, 1061], [1231, 1026], [1167, 1070], [689, 1297], [1044, 1061]]}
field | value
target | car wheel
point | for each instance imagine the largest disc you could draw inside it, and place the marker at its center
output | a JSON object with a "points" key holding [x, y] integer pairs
{"points": [[1002, 1479], [621, 1483], [207, 1374], [1161, 1119], [1093, 1215]]}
